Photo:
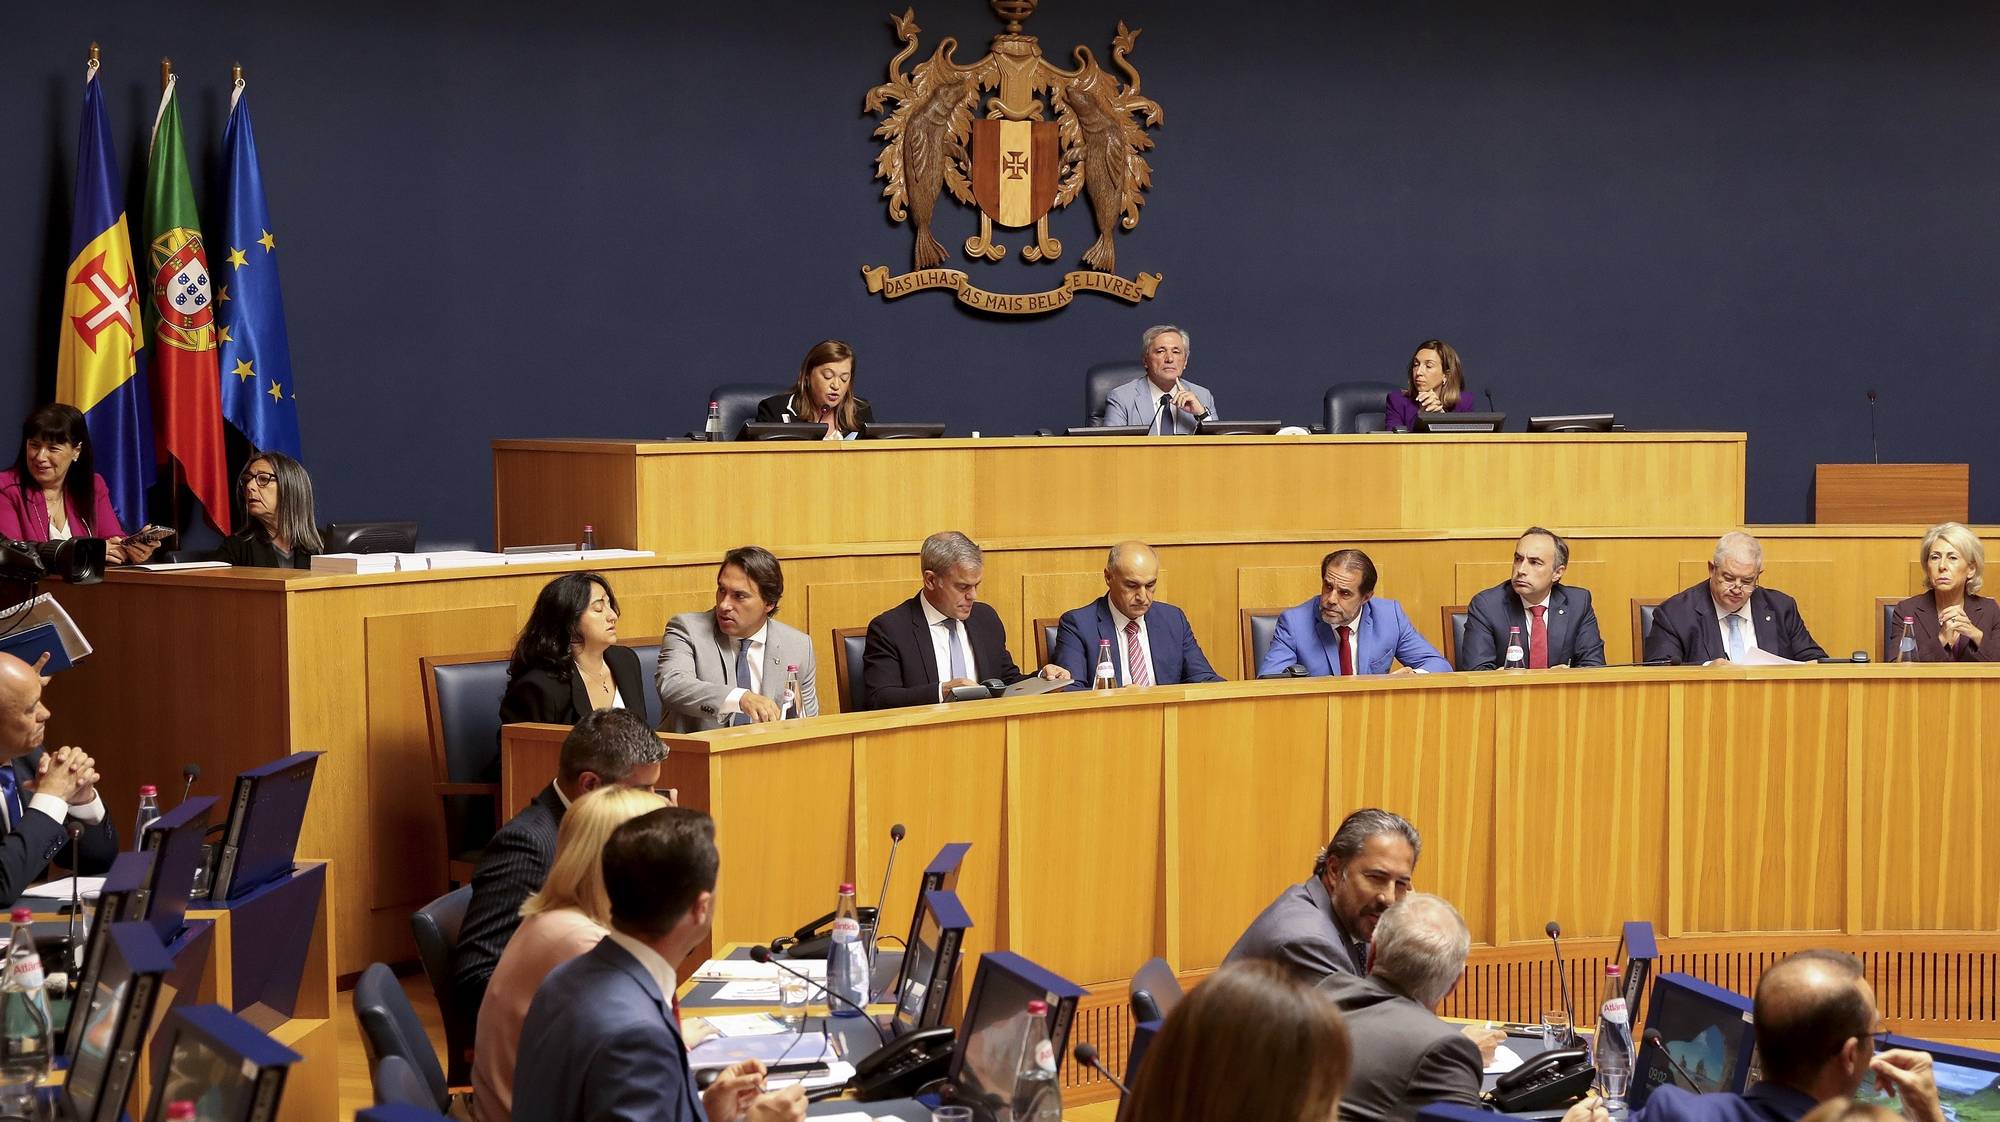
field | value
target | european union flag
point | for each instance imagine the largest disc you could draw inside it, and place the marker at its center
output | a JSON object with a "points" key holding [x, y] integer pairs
{"points": [[258, 394]]}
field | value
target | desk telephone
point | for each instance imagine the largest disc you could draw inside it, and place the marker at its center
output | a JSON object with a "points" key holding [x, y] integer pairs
{"points": [[1551, 1079], [814, 938]]}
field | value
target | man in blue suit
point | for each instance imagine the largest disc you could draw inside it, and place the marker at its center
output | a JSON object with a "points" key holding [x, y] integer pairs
{"points": [[1164, 400], [1556, 622], [1816, 1025], [602, 1040], [1151, 642], [1346, 629]]}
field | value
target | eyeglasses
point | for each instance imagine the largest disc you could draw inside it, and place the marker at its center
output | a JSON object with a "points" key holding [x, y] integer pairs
{"points": [[260, 478], [1738, 582]]}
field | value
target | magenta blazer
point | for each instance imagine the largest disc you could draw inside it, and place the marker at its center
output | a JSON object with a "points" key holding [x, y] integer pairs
{"points": [[24, 516], [1401, 410]]}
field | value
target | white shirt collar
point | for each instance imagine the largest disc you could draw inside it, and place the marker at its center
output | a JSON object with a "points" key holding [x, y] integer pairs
{"points": [[932, 616], [1120, 619], [560, 793], [1742, 613], [758, 636], [658, 967], [1542, 603]]}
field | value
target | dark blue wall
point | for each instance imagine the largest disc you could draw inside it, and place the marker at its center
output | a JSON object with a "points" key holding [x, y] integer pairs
{"points": [[511, 219]]}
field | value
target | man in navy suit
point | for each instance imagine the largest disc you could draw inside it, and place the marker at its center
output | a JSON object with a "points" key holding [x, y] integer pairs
{"points": [[602, 1041], [1728, 616], [1346, 629], [1151, 642], [920, 650], [1557, 625], [1816, 1025]]}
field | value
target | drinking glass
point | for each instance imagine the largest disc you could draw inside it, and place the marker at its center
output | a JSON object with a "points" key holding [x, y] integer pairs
{"points": [[1555, 1029], [793, 993]]}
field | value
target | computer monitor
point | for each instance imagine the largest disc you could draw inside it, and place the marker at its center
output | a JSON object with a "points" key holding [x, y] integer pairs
{"points": [[902, 430], [219, 1061], [262, 834], [115, 1009], [782, 430], [941, 875], [930, 963], [175, 840], [1238, 428], [1968, 1080], [1135, 1054], [1108, 430], [1573, 422], [983, 1067], [1459, 422], [125, 881], [1705, 1028]]}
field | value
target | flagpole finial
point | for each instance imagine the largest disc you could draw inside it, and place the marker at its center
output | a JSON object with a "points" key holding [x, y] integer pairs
{"points": [[94, 53], [166, 73], [236, 73]]}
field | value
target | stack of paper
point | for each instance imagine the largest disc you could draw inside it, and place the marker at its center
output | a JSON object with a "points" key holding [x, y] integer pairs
{"points": [[354, 563], [40, 626]]}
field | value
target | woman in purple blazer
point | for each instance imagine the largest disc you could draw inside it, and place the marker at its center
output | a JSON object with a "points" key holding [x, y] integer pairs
{"points": [[52, 493], [1951, 622], [1437, 385]]}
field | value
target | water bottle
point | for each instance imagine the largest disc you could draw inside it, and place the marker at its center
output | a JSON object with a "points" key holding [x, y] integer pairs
{"points": [[1611, 1049], [846, 959], [1515, 659], [1906, 647], [24, 1023], [791, 703], [589, 536], [1036, 1097], [714, 420], [1106, 676], [149, 812]]}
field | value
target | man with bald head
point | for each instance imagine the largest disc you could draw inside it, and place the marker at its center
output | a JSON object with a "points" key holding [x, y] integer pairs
{"points": [[1151, 642], [1816, 1025], [40, 791]]}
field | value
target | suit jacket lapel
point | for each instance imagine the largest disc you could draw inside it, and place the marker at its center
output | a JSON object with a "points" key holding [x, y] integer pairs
{"points": [[1107, 628], [774, 664], [1329, 646], [1764, 621], [1556, 619], [579, 691], [927, 651]]}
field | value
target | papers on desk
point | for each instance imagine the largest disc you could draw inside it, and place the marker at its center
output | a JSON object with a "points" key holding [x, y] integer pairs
{"points": [[743, 969], [32, 627], [1505, 1059], [60, 889], [769, 1048], [1759, 657], [739, 1024], [177, 566], [458, 559]]}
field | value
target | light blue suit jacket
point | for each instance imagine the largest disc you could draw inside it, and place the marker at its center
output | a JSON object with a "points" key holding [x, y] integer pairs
{"points": [[1135, 402], [600, 1043], [1385, 636]]}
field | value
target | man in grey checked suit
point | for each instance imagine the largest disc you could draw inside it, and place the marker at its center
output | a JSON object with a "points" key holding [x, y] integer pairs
{"points": [[727, 665], [1163, 350]]}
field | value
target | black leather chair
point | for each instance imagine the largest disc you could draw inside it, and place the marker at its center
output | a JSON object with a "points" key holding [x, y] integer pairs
{"points": [[1642, 626], [1892, 627], [436, 925], [1046, 631], [851, 642], [184, 556], [1258, 628], [389, 1027], [1454, 631], [398, 1084], [1356, 407], [1160, 982], [649, 666], [1100, 380], [462, 701], [369, 537], [738, 403]]}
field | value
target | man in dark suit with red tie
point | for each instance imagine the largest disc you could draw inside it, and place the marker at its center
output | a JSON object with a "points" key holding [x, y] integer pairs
{"points": [[1151, 642], [41, 792], [941, 638], [1557, 625], [1728, 616]]}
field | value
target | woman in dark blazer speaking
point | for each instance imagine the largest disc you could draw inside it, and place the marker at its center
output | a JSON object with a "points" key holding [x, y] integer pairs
{"points": [[824, 394], [567, 661]]}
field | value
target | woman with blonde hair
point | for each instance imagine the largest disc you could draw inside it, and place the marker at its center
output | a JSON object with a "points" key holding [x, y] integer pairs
{"points": [[569, 916], [1951, 621]]}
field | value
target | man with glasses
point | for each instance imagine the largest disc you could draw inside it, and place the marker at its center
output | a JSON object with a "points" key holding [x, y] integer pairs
{"points": [[1728, 618], [1816, 1025]]}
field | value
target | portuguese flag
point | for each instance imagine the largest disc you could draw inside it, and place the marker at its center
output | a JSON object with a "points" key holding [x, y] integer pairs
{"points": [[180, 313]]}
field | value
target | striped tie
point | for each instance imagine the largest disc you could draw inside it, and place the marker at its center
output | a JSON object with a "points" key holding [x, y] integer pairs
{"points": [[1135, 656]]}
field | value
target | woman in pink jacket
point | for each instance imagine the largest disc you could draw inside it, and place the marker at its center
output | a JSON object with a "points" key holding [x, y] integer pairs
{"points": [[52, 493]]}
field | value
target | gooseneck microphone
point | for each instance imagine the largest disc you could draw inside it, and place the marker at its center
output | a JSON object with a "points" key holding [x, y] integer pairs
{"points": [[75, 832], [190, 772], [1874, 447], [1489, 402], [882, 903], [1653, 1038], [762, 954], [1554, 931], [1086, 1054], [1164, 415]]}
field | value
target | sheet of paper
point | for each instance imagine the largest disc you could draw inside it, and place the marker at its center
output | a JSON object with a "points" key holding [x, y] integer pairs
{"points": [[738, 969], [849, 1116], [748, 989], [44, 609], [59, 889], [744, 1024], [177, 566], [1762, 657], [1505, 1059]]}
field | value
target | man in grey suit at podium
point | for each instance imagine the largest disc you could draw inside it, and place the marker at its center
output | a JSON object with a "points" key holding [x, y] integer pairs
{"points": [[1164, 400], [726, 666]]}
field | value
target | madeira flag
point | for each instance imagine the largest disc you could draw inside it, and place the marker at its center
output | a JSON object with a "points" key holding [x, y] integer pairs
{"points": [[258, 396], [99, 367], [180, 307]]}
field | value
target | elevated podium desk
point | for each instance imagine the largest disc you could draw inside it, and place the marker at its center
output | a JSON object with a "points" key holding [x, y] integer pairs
{"points": [[694, 496], [1746, 813]]}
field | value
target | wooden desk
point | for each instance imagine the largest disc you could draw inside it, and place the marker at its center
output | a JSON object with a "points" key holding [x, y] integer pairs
{"points": [[234, 668], [670, 495], [1927, 493]]}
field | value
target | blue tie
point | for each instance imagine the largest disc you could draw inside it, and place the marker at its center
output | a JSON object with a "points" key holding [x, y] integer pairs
{"points": [[1734, 640], [742, 677], [956, 655], [10, 785]]}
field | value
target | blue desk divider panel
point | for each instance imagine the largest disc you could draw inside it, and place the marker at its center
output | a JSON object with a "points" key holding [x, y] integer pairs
{"points": [[271, 935]]}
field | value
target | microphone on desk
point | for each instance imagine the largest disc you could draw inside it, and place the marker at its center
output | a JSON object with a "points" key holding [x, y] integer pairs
{"points": [[882, 900], [1873, 446], [1163, 414], [1086, 1054], [762, 954], [1554, 931], [75, 831], [1144, 1007], [1295, 670], [1489, 402], [1653, 1038], [190, 772]]}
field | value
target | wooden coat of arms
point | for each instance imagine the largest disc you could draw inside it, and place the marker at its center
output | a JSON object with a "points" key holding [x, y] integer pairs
{"points": [[1013, 162]]}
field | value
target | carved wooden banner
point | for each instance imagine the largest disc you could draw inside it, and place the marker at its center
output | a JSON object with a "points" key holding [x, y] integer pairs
{"points": [[1013, 164]]}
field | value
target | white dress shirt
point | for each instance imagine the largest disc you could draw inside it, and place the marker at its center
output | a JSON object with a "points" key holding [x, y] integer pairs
{"points": [[1119, 620], [734, 702], [940, 651], [1746, 631], [58, 808]]}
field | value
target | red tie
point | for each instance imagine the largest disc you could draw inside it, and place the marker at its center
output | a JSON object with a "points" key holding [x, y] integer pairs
{"points": [[1135, 656], [1538, 643], [1346, 656]]}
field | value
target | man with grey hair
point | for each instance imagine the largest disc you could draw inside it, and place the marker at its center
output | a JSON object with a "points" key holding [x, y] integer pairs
{"points": [[920, 650], [1164, 400], [1152, 643], [1729, 618], [1405, 1058], [1322, 925], [609, 747]]}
